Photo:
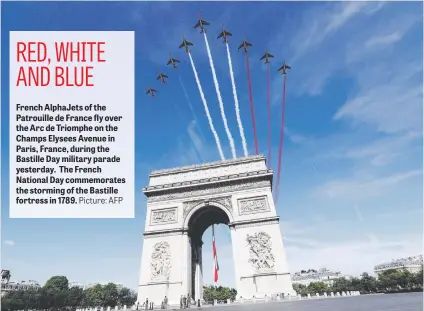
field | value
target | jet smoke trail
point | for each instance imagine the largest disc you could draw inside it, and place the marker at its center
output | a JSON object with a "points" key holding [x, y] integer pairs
{"points": [[187, 98], [240, 124], [252, 108], [269, 114], [191, 107], [218, 94], [280, 151], [205, 104]]}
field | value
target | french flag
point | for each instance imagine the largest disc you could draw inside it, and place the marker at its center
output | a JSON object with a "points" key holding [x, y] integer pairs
{"points": [[215, 257]]}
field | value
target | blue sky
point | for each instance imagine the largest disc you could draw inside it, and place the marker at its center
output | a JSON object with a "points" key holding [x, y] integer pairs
{"points": [[351, 189]]}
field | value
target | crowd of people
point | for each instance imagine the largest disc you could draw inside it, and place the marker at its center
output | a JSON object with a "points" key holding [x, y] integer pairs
{"points": [[185, 302]]}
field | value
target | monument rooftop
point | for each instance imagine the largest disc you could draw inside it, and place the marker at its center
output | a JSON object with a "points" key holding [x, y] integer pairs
{"points": [[212, 172]]}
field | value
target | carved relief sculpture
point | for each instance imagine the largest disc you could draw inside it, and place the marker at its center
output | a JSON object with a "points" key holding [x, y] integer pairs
{"points": [[225, 201], [162, 216], [161, 261], [260, 248], [253, 205]]}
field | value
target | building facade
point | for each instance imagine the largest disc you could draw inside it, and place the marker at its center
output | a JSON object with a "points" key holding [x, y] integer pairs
{"points": [[22, 285], [305, 277], [413, 264]]}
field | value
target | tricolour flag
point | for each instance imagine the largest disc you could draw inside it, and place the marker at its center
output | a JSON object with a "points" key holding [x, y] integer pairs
{"points": [[215, 257]]}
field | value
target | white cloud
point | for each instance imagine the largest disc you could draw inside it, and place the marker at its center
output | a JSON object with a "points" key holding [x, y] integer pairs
{"points": [[381, 151], [9, 242], [383, 40], [319, 24], [361, 189], [389, 101], [195, 138], [294, 137], [351, 257]]}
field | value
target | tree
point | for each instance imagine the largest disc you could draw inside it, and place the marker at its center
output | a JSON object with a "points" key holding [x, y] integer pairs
{"points": [[300, 289], [211, 293], [317, 287], [94, 296], [418, 279], [56, 292], [110, 295], [126, 297], [368, 284], [75, 297]]}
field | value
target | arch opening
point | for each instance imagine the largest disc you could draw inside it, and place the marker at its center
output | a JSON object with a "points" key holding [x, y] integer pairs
{"points": [[203, 218], [199, 222]]}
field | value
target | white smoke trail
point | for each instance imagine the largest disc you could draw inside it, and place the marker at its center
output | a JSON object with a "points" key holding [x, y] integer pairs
{"points": [[218, 94], [205, 104], [191, 107], [240, 124], [188, 99]]}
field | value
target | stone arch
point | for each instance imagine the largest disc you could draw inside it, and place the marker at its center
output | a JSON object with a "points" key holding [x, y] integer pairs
{"points": [[204, 204]]}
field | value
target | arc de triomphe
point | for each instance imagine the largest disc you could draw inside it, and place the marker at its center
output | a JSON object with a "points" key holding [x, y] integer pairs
{"points": [[183, 202]]}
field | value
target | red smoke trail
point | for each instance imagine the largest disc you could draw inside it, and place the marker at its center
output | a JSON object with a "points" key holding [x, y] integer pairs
{"points": [[269, 115], [280, 151], [252, 108]]}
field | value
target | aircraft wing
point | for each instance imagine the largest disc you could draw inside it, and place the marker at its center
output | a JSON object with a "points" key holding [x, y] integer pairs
{"points": [[153, 90], [241, 45], [205, 23], [263, 57], [169, 62], [270, 55], [220, 35], [197, 24], [189, 43], [181, 45], [159, 76], [165, 76], [176, 60], [288, 67], [228, 33], [248, 44]]}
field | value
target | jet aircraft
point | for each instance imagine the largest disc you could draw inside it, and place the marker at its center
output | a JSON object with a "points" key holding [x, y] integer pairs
{"points": [[151, 91], [185, 44], [162, 77], [201, 23], [244, 45], [284, 68], [224, 34], [267, 56], [172, 61]]}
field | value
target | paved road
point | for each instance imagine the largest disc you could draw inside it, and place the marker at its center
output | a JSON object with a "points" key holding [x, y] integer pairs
{"points": [[389, 302]]}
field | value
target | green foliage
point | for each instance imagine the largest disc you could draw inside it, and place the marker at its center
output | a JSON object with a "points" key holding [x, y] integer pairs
{"points": [[388, 281], [211, 293], [57, 294]]}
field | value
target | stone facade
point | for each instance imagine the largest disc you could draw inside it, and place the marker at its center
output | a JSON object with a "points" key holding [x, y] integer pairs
{"points": [[239, 188]]}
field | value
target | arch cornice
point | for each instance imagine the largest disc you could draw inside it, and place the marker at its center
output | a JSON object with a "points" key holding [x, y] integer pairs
{"points": [[224, 203]]}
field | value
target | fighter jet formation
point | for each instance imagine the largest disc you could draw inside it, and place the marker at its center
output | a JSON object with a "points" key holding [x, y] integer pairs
{"points": [[267, 56], [201, 23], [223, 35], [151, 91], [162, 77], [284, 68], [185, 44], [172, 61], [244, 44]]}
